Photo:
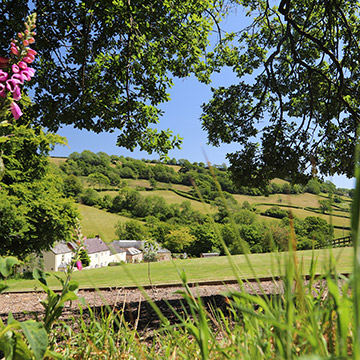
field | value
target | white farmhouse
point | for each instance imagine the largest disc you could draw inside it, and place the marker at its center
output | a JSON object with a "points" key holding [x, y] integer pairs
{"points": [[57, 257], [98, 252]]}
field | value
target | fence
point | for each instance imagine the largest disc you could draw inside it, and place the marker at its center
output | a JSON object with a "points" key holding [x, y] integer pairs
{"points": [[340, 242]]}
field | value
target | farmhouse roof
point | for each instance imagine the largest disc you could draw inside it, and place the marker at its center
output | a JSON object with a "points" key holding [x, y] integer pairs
{"points": [[137, 244], [60, 248], [95, 245], [115, 248]]}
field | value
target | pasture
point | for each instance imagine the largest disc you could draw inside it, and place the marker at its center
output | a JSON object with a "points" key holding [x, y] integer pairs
{"points": [[201, 269]]}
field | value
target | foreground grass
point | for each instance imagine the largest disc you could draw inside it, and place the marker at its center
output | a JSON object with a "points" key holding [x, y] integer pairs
{"points": [[197, 270]]}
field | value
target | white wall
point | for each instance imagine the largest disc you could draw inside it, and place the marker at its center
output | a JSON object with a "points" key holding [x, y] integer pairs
{"points": [[100, 259], [52, 261], [118, 257]]}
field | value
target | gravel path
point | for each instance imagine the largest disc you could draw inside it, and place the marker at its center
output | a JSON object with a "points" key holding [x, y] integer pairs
{"points": [[30, 301]]}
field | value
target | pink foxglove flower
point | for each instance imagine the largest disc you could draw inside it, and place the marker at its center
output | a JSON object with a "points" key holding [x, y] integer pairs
{"points": [[3, 75], [15, 69], [2, 90], [15, 109], [79, 265], [19, 77], [16, 93], [12, 84], [28, 73]]}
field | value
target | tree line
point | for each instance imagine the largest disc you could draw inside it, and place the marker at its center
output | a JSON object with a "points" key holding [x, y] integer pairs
{"points": [[103, 169]]}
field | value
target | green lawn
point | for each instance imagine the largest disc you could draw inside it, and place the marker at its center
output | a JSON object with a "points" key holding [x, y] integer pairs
{"points": [[202, 269]]}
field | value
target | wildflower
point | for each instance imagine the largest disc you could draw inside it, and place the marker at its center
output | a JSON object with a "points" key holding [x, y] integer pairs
{"points": [[3, 75], [15, 109], [2, 90], [22, 65], [28, 73], [12, 84], [15, 69], [20, 77], [79, 265], [16, 93]]}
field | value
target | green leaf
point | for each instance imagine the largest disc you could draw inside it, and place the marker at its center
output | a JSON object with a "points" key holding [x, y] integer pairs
{"points": [[73, 285], [40, 275], [36, 336], [3, 287], [67, 297], [7, 264]]}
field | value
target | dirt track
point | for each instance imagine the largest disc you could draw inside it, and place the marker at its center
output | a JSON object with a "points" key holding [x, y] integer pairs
{"points": [[22, 303]]}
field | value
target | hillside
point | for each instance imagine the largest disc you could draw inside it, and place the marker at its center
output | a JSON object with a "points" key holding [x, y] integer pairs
{"points": [[115, 190]]}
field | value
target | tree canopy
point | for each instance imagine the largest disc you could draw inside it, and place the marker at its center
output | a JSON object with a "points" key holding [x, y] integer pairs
{"points": [[296, 102], [107, 65], [34, 214]]}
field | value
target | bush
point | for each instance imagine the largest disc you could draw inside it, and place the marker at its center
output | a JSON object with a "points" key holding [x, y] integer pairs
{"points": [[276, 212]]}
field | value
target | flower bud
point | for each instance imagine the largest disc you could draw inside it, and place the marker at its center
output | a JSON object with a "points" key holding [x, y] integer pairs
{"points": [[31, 52], [22, 65], [28, 59], [79, 265], [14, 50]]}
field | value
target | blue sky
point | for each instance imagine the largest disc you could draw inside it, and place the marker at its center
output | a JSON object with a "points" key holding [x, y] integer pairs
{"points": [[182, 116]]}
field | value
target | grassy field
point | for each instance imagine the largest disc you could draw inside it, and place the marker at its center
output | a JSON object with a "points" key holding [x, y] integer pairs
{"points": [[302, 214], [202, 269], [57, 160], [99, 222], [301, 200]]}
